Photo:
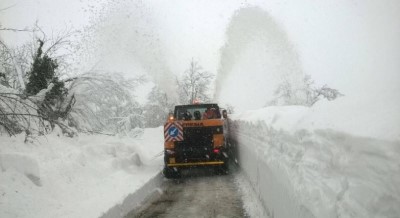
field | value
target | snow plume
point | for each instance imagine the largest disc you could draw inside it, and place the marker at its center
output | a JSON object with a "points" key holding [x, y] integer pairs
{"points": [[124, 38], [257, 55]]}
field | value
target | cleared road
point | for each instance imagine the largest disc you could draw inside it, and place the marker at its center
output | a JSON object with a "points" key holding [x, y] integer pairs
{"points": [[198, 193]]}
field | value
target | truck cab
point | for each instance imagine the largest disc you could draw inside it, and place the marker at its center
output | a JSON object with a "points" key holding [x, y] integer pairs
{"points": [[195, 135]]}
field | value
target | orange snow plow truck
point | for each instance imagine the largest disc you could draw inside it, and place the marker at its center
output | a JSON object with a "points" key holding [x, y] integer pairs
{"points": [[195, 135]]}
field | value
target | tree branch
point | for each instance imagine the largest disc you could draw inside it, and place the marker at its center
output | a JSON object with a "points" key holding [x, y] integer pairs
{"points": [[3, 9], [17, 30]]}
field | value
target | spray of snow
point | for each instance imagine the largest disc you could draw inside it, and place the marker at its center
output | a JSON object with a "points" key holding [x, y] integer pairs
{"points": [[256, 58], [124, 38]]}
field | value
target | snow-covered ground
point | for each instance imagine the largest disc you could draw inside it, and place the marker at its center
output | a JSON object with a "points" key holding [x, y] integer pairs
{"points": [[310, 162], [55, 176], [334, 159]]}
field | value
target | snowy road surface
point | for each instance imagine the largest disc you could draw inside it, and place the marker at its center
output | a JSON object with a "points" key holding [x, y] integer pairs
{"points": [[203, 195]]}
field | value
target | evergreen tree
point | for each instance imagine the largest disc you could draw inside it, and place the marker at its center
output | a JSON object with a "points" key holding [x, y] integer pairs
{"points": [[42, 73]]}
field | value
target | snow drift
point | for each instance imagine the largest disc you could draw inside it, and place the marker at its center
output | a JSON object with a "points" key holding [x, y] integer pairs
{"points": [[85, 176]]}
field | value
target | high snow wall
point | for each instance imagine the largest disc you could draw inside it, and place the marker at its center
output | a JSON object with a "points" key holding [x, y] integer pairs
{"points": [[298, 171]]}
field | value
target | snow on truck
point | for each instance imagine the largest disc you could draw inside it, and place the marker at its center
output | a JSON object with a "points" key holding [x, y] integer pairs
{"points": [[195, 135]]}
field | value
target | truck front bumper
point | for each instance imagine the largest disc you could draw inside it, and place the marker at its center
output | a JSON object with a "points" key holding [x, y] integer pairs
{"points": [[207, 163]]}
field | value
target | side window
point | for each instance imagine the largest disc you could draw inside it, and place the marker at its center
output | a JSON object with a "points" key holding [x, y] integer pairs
{"points": [[218, 113], [181, 115]]}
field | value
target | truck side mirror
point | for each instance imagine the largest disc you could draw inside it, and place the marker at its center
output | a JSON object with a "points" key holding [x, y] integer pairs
{"points": [[224, 114]]}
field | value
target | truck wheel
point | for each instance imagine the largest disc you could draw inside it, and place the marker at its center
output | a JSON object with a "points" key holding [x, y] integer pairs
{"points": [[167, 173], [225, 167], [222, 169], [171, 173]]}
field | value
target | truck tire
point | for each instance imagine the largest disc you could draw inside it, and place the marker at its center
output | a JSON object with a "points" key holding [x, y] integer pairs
{"points": [[171, 173], [222, 169]]}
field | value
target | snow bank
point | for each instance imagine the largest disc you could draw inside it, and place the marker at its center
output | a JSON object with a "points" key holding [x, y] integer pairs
{"points": [[85, 176], [317, 162], [146, 193]]}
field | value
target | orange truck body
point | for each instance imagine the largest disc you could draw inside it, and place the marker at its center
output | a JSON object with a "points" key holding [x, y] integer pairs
{"points": [[193, 139]]}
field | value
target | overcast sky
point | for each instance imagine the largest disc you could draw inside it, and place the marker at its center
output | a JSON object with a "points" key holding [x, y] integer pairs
{"points": [[350, 45]]}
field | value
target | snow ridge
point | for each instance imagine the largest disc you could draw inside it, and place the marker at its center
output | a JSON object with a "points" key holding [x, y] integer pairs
{"points": [[318, 173]]}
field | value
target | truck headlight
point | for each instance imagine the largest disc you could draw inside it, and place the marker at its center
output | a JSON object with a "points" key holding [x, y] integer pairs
{"points": [[170, 152]]}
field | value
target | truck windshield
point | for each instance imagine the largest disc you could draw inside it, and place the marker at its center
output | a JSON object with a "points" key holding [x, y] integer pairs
{"points": [[199, 112]]}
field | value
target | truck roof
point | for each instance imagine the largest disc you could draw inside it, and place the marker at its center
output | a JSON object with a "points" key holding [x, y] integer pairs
{"points": [[211, 105]]}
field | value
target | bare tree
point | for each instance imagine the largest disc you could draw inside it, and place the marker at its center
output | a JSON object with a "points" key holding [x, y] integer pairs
{"points": [[15, 60], [305, 94], [157, 108], [18, 113], [10, 64], [194, 84]]}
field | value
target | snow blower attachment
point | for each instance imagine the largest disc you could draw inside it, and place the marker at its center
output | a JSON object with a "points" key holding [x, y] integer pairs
{"points": [[195, 135]]}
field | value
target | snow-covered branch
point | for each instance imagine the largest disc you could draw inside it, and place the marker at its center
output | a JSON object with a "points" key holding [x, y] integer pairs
{"points": [[105, 102]]}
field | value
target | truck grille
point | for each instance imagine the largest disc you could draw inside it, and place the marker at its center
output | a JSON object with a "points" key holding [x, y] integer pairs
{"points": [[197, 144], [195, 137]]}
